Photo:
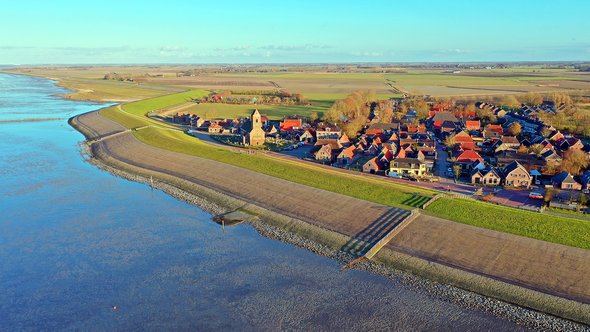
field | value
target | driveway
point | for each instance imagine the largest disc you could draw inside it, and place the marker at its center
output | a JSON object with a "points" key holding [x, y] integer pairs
{"points": [[441, 161], [517, 198]]}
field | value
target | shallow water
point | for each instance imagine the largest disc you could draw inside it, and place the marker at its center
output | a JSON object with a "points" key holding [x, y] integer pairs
{"points": [[76, 241]]}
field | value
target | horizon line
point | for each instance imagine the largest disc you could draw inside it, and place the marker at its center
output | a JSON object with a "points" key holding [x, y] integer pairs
{"points": [[299, 63]]}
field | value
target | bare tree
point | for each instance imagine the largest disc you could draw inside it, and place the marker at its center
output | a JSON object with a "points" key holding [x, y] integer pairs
{"points": [[532, 98], [510, 101]]}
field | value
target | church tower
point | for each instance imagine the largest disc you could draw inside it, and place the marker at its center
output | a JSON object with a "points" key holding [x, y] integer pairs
{"points": [[256, 135], [256, 119]]}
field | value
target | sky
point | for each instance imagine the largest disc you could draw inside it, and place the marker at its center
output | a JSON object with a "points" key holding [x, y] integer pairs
{"points": [[285, 31]]}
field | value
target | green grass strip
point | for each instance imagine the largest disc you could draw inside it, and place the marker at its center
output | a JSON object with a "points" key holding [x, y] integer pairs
{"points": [[550, 228]]}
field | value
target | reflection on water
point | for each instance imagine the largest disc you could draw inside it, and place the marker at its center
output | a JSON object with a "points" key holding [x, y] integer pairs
{"points": [[81, 249]]}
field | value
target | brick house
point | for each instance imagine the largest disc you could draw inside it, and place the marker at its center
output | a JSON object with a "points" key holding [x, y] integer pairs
{"points": [[515, 175], [488, 176], [565, 181]]}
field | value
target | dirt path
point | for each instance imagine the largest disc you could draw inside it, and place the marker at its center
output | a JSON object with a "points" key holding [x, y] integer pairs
{"points": [[539, 265], [543, 266]]}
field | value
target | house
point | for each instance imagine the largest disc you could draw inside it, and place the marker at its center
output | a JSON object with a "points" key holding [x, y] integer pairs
{"points": [[440, 107], [464, 140], [439, 118], [565, 181], [447, 127], [551, 158], [569, 143], [380, 128], [306, 136], [272, 131], [493, 131], [487, 176], [196, 121], [215, 128], [328, 132], [391, 147], [529, 126], [372, 166], [469, 157], [408, 166], [508, 143], [344, 140], [334, 144], [324, 153], [347, 156], [515, 175], [472, 125], [385, 156], [290, 124]]}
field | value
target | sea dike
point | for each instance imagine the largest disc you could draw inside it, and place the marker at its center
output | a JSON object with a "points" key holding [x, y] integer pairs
{"points": [[327, 243]]}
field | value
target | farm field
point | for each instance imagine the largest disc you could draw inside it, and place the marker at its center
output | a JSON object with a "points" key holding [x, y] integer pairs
{"points": [[317, 83], [230, 111]]}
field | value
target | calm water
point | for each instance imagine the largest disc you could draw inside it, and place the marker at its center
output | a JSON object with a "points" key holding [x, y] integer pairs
{"points": [[76, 241]]}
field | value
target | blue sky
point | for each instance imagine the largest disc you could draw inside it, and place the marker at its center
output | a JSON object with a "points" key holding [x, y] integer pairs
{"points": [[172, 31]]}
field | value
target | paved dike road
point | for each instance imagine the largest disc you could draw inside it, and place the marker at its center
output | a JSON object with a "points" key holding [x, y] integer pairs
{"points": [[535, 265]]}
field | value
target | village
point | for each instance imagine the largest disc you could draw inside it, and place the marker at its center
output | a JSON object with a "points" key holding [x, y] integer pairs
{"points": [[502, 155]]}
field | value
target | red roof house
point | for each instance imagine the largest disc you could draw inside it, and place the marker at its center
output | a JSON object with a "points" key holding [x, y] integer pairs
{"points": [[469, 156], [472, 125], [290, 124]]}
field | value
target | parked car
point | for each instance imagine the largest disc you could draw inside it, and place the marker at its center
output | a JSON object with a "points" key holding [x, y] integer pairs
{"points": [[409, 178], [536, 195], [395, 175]]}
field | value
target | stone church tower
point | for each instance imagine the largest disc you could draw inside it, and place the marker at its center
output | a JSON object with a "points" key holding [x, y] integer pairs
{"points": [[256, 135]]}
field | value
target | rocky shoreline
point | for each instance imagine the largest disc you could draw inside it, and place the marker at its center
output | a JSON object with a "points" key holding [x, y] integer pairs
{"points": [[503, 310]]}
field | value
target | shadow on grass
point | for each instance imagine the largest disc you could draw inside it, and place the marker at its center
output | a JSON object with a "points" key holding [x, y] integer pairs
{"points": [[416, 201], [375, 231]]}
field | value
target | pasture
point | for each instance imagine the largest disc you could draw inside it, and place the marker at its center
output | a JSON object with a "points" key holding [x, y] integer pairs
{"points": [[322, 84]]}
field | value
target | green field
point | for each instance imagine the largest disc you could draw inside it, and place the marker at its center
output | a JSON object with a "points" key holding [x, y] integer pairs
{"points": [[567, 231]]}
